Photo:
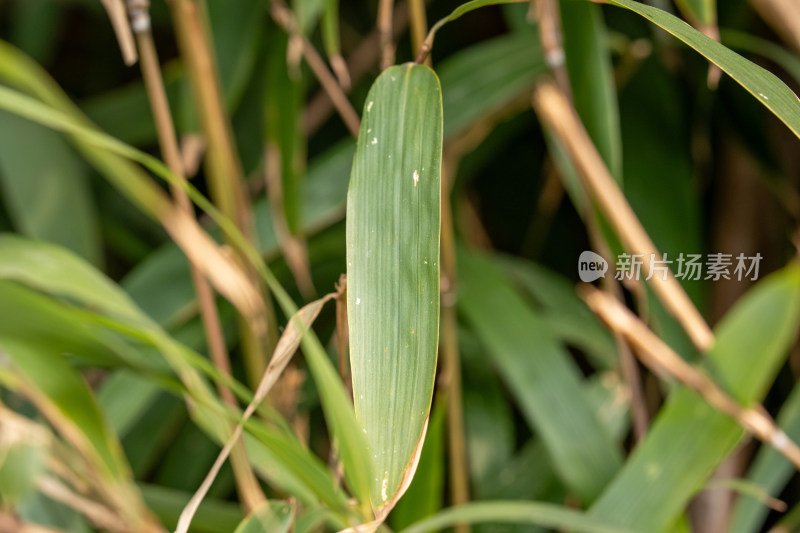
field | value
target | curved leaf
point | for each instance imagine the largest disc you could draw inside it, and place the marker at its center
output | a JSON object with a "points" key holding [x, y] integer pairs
{"points": [[509, 512], [761, 83]]}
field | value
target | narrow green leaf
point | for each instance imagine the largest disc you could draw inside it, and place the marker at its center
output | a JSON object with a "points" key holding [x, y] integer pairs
{"points": [[35, 26], [762, 84], [236, 29], [689, 438], [213, 516], [282, 109], [21, 463], [393, 221], [124, 397], [330, 28], [46, 188], [565, 314], [31, 263], [55, 270], [482, 78], [466, 7], [49, 372], [701, 13], [770, 471], [509, 512], [426, 493], [540, 374], [739, 40], [588, 62], [275, 517]]}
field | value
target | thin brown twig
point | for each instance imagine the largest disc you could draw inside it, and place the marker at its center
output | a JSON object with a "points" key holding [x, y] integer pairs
{"points": [[119, 21], [554, 109], [284, 17], [548, 15], [226, 182], [385, 31], [660, 358], [451, 362], [246, 482], [284, 350], [633, 380], [99, 515], [293, 248], [359, 62], [10, 523]]}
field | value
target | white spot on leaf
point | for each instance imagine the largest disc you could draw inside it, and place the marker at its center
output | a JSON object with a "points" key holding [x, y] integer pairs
{"points": [[374, 140], [384, 486], [369, 106], [358, 301], [416, 178], [764, 96]]}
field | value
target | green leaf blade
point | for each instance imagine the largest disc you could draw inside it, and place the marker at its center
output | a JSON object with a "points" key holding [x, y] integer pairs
{"points": [[393, 222], [762, 84], [689, 439], [540, 375]]}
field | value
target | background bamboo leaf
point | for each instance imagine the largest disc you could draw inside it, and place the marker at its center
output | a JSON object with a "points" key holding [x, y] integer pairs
{"points": [[688, 438], [770, 471], [425, 494], [588, 64], [297, 470], [701, 13], [538, 371], [272, 516], [762, 84], [284, 99], [541, 514], [490, 74], [46, 189], [393, 218]]}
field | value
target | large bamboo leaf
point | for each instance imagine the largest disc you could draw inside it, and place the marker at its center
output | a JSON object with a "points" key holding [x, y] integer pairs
{"points": [[393, 219], [764, 85], [689, 438]]}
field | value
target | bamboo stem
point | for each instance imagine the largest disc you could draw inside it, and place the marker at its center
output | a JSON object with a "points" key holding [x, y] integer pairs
{"points": [[553, 107], [660, 358], [419, 25], [246, 482], [226, 182], [451, 361], [359, 62]]}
